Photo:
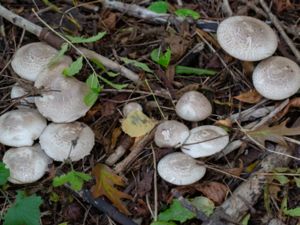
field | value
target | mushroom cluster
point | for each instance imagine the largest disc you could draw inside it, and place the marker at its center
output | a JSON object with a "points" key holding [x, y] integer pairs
{"points": [[61, 102]]}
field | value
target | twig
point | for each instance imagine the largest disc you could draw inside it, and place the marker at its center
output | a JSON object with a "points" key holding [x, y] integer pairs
{"points": [[155, 184], [278, 26]]}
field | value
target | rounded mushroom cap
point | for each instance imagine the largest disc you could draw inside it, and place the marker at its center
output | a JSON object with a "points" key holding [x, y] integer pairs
{"points": [[170, 134], [180, 169], [193, 106], [62, 100], [67, 140], [26, 164], [130, 107], [17, 91], [276, 78], [21, 127], [205, 141], [31, 59], [247, 38]]}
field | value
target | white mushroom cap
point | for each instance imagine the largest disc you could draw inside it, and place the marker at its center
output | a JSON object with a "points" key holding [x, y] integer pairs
{"points": [[180, 169], [62, 100], [171, 134], [193, 106], [17, 91], [130, 107], [205, 141], [21, 127], [247, 38], [276, 78], [31, 59], [26, 164], [67, 140]]}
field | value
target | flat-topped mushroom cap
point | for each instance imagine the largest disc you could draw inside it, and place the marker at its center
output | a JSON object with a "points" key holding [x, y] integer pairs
{"points": [[21, 127], [67, 140], [130, 107], [26, 164], [17, 91], [180, 169], [31, 59], [193, 106], [247, 38], [276, 78], [62, 99], [205, 141], [171, 134]]}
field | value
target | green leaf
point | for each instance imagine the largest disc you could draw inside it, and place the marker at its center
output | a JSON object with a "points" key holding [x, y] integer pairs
{"points": [[193, 70], [203, 204], [63, 49], [112, 74], [162, 223], [114, 85], [159, 7], [176, 212], [138, 64], [90, 98], [281, 179], [93, 83], [74, 68], [74, 178], [297, 180], [162, 59], [25, 210], [245, 220], [293, 212], [77, 40], [65, 223], [187, 13], [98, 64], [4, 173]]}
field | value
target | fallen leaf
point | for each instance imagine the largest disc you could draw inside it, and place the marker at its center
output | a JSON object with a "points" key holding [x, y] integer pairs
{"points": [[248, 67], [178, 45], [110, 21], [215, 191], [226, 122], [275, 134], [105, 186], [282, 5], [251, 97], [137, 124], [274, 191], [145, 185], [114, 137], [295, 102], [235, 171]]}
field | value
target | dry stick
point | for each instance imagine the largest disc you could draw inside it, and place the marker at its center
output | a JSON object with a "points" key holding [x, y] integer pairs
{"points": [[45, 35], [278, 26]]}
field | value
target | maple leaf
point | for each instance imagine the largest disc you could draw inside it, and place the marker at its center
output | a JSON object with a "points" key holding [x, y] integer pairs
{"points": [[105, 182], [275, 134]]}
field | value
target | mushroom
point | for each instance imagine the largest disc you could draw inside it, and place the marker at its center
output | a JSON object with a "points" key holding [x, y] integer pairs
{"points": [[180, 169], [67, 141], [26, 164], [276, 78], [62, 98], [21, 127], [205, 141], [171, 134], [130, 107], [18, 92], [29, 60], [193, 106], [247, 38]]}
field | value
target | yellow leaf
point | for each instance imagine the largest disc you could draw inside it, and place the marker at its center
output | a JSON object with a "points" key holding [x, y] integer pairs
{"points": [[137, 124], [105, 182]]}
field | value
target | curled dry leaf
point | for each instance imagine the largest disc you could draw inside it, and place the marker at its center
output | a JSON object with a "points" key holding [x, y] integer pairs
{"points": [[235, 171], [215, 191], [295, 102], [250, 97]]}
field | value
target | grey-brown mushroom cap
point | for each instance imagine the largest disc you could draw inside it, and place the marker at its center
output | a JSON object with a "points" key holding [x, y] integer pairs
{"points": [[26, 164], [180, 169], [21, 127], [247, 38], [29, 60], [62, 98], [193, 106], [67, 140], [171, 134], [205, 141], [17, 92], [276, 78], [130, 107]]}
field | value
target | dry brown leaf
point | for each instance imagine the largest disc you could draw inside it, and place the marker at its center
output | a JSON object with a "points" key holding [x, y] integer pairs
{"points": [[208, 37], [114, 137], [110, 21], [235, 171], [226, 122], [178, 46], [248, 67], [251, 97], [105, 186], [215, 191], [295, 102], [274, 191], [282, 5]]}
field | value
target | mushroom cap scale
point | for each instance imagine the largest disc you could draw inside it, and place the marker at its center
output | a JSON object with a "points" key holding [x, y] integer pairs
{"points": [[180, 169], [67, 140], [193, 106], [21, 127], [205, 141], [130, 107], [170, 134], [247, 38], [26, 164], [31, 59], [276, 78]]}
